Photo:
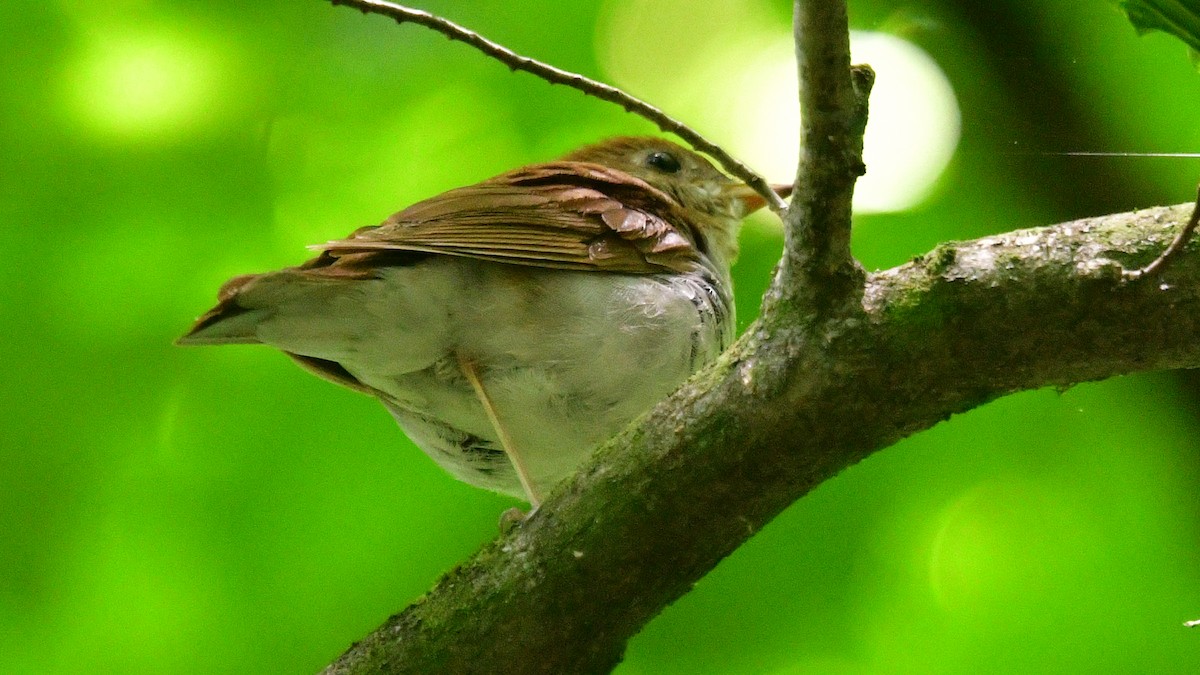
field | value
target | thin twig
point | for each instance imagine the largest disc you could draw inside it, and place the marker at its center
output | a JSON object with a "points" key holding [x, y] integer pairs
{"points": [[553, 75], [1172, 250]]}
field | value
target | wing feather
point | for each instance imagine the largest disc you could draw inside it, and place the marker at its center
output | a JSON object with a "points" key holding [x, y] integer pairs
{"points": [[570, 215]]}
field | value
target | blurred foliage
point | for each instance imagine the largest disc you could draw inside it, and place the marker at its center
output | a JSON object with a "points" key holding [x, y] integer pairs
{"points": [[218, 510], [1180, 18]]}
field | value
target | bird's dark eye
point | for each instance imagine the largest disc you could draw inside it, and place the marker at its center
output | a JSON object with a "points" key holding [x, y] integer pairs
{"points": [[663, 161]]}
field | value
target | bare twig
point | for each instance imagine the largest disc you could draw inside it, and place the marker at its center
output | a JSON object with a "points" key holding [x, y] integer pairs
{"points": [[553, 75], [1172, 250]]}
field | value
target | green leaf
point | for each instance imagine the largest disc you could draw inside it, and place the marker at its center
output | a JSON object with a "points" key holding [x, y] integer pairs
{"points": [[1180, 18]]}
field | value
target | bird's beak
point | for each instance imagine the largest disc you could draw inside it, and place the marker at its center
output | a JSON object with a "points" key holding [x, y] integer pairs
{"points": [[750, 200]]}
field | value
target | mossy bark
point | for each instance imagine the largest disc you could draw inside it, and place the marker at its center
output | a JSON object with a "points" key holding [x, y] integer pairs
{"points": [[790, 405]]}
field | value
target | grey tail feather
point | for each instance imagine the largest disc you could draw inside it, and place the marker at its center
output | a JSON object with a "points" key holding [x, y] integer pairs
{"points": [[226, 324]]}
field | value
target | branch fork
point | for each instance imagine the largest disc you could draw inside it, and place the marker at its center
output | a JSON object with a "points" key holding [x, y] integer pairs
{"points": [[563, 590]]}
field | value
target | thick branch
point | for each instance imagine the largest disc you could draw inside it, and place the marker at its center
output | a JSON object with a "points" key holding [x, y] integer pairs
{"points": [[663, 503], [553, 75]]}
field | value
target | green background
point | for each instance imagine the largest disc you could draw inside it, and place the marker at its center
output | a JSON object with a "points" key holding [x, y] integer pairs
{"points": [[218, 510]]}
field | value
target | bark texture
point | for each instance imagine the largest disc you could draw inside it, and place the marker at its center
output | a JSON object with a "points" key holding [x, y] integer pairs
{"points": [[795, 401]]}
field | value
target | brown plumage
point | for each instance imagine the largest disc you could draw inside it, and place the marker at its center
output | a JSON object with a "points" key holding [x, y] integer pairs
{"points": [[616, 256], [576, 213]]}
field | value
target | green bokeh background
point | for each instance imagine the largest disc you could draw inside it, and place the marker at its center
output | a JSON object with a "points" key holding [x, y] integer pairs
{"points": [[166, 510]]}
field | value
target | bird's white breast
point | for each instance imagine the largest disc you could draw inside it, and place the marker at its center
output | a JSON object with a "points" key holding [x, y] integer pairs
{"points": [[568, 358]]}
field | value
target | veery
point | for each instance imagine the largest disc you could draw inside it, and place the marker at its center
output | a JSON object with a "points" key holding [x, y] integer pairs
{"points": [[512, 325]]}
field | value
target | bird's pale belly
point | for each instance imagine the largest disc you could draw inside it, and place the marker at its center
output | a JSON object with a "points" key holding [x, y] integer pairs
{"points": [[552, 424], [560, 383]]}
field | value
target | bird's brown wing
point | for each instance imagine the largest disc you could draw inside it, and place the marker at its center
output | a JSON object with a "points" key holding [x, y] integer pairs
{"points": [[567, 215]]}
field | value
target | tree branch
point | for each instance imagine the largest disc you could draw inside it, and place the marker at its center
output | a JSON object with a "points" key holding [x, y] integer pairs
{"points": [[661, 504], [665, 501], [817, 270], [553, 75]]}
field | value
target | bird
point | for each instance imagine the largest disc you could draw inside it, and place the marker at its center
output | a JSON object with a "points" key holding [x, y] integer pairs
{"points": [[512, 325]]}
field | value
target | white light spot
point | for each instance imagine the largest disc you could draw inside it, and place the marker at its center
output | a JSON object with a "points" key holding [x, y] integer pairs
{"points": [[914, 123], [734, 79], [912, 131], [141, 85]]}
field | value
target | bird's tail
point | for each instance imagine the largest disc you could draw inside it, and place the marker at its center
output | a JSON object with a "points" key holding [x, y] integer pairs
{"points": [[229, 323], [309, 311]]}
